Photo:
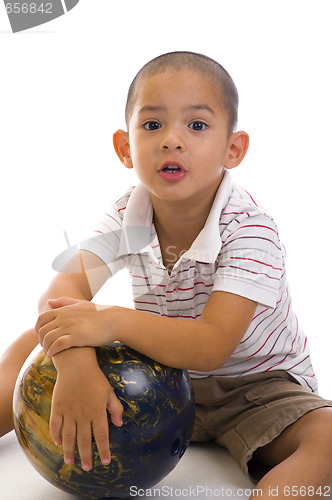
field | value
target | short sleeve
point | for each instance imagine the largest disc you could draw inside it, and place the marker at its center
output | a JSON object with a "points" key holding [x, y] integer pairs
{"points": [[105, 240], [251, 262]]}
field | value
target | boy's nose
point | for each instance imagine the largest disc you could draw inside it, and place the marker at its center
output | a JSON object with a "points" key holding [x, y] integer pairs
{"points": [[172, 141], [166, 148]]}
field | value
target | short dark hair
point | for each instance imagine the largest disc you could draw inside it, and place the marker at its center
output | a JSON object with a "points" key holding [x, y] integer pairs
{"points": [[197, 62]]}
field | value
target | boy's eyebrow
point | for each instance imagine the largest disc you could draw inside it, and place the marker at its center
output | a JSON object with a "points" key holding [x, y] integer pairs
{"points": [[201, 106], [161, 108], [150, 109]]}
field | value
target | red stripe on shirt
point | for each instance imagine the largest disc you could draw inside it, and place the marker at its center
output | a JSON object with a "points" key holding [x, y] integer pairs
{"points": [[258, 262], [250, 197], [252, 225], [254, 354]]}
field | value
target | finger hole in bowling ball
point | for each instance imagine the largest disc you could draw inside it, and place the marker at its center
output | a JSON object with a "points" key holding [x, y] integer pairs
{"points": [[176, 447], [185, 446]]}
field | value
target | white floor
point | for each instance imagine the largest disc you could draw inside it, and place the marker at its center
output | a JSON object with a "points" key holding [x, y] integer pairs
{"points": [[204, 472]]}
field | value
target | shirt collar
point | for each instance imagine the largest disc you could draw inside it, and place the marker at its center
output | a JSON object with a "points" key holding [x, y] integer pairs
{"points": [[137, 233], [137, 223]]}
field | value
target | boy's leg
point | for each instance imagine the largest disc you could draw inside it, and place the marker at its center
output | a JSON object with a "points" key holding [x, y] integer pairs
{"points": [[301, 458], [10, 364]]}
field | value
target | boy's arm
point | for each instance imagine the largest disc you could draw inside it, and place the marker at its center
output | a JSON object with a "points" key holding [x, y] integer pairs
{"points": [[82, 393], [91, 274], [202, 345]]}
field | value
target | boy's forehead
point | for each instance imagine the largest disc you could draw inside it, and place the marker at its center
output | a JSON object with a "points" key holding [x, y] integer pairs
{"points": [[184, 84]]}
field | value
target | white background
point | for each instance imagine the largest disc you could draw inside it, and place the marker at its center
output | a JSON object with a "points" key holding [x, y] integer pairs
{"points": [[62, 94]]}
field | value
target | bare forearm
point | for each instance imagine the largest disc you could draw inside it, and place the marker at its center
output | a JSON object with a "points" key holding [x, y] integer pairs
{"points": [[180, 343], [205, 344], [62, 285], [76, 358], [59, 287]]}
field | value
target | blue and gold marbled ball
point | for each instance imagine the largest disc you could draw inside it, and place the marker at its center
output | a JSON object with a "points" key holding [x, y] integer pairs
{"points": [[158, 421]]}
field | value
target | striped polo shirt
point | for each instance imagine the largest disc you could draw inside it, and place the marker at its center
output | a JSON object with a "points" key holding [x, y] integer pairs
{"points": [[237, 251]]}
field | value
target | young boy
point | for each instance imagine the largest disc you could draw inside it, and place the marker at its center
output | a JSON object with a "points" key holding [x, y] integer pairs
{"points": [[198, 247]]}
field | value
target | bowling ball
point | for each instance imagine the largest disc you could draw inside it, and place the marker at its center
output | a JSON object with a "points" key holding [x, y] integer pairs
{"points": [[158, 421]]}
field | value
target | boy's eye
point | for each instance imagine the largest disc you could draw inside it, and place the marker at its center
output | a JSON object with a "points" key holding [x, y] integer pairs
{"points": [[198, 126], [151, 125]]}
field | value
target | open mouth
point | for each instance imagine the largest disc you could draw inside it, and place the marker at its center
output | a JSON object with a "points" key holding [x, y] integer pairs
{"points": [[172, 172], [171, 169]]}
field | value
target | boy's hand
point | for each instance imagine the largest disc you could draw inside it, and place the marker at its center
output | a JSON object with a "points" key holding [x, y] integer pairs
{"points": [[72, 323], [81, 398]]}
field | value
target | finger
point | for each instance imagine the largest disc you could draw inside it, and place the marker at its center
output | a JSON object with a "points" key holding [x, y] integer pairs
{"points": [[61, 344], [101, 435], [56, 421], [115, 409], [84, 445], [62, 302], [68, 440], [49, 332], [49, 338], [44, 319]]}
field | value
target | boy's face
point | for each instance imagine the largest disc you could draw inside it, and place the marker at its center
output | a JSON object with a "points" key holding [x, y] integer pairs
{"points": [[178, 142]]}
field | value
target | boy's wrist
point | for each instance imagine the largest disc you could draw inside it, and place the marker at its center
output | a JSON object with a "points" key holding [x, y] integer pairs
{"points": [[112, 324], [71, 359]]}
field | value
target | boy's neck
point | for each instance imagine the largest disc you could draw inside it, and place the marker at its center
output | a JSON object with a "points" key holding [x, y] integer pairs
{"points": [[183, 219], [178, 225]]}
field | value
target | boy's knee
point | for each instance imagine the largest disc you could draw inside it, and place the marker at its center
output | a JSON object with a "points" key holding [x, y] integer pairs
{"points": [[15, 355]]}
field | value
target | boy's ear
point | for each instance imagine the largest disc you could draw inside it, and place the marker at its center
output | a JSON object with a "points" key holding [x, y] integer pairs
{"points": [[237, 148], [122, 148]]}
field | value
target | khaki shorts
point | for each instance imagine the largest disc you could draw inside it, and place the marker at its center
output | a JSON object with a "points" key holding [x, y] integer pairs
{"points": [[243, 414]]}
